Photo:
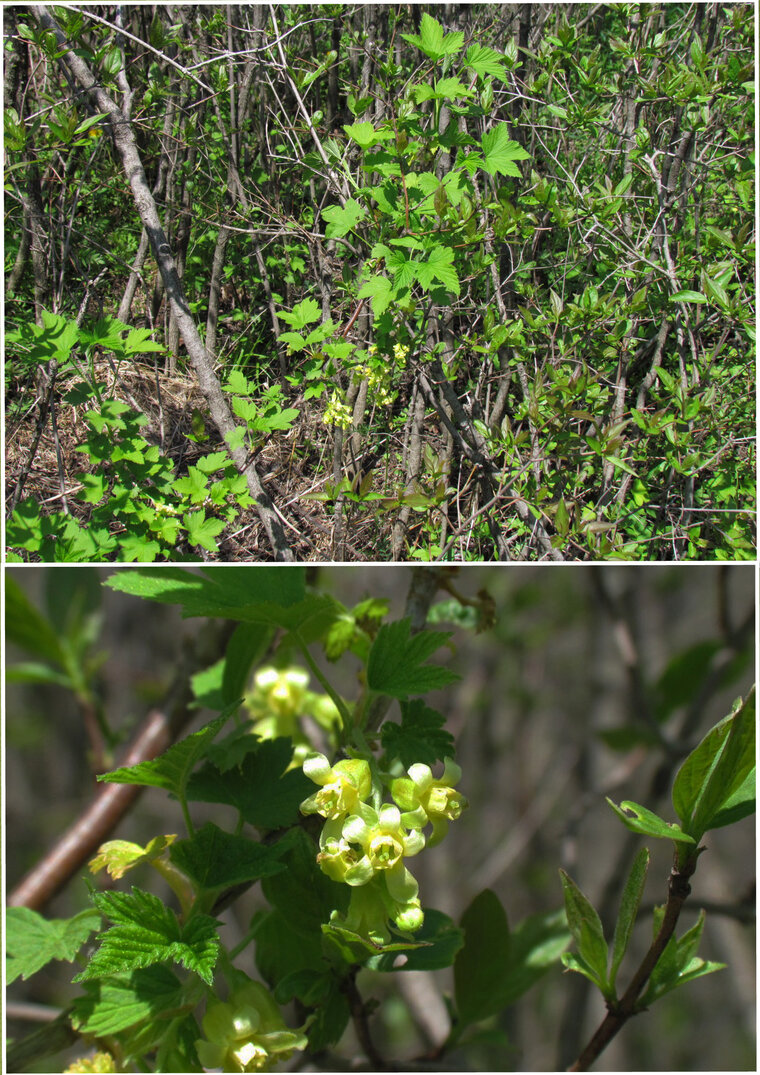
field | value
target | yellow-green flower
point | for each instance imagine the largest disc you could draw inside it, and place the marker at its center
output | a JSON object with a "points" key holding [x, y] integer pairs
{"points": [[280, 691], [103, 1062], [437, 798], [246, 1032], [342, 786]]}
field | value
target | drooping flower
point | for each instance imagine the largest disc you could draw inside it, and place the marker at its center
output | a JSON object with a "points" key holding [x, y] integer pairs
{"points": [[246, 1032], [342, 786], [372, 905], [436, 797]]}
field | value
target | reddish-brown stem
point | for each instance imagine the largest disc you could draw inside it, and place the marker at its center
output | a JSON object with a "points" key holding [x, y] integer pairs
{"points": [[84, 837]]}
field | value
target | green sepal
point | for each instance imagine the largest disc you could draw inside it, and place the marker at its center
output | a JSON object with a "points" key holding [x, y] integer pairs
{"points": [[638, 819], [353, 949]]}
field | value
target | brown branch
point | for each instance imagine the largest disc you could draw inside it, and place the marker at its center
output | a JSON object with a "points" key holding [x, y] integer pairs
{"points": [[619, 1013], [112, 801], [360, 1016]]}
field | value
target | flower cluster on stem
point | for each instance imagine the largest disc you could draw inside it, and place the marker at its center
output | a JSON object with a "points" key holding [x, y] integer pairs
{"points": [[365, 845]]}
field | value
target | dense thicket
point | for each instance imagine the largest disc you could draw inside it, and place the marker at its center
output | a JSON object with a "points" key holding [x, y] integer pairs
{"points": [[446, 282]]}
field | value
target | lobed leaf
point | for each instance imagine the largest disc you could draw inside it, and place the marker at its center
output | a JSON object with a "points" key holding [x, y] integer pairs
{"points": [[396, 664], [32, 940]]}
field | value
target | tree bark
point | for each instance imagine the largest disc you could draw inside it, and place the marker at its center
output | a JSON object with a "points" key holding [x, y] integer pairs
{"points": [[124, 141]]}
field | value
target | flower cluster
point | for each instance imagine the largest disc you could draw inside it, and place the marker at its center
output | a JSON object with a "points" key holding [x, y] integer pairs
{"points": [[337, 413], [365, 846], [246, 1032], [280, 698]]}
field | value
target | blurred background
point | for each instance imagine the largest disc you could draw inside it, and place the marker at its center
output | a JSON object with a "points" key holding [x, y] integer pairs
{"points": [[593, 681]]}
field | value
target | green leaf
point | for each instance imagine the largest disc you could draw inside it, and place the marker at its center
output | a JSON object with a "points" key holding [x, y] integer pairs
{"points": [[259, 787], [481, 962], [485, 61], [343, 219], [687, 296], [629, 906], [222, 588], [739, 805], [112, 1004], [715, 291], [442, 939], [683, 676], [32, 941], [380, 290], [419, 738], [365, 135], [253, 595], [302, 314], [214, 859], [678, 964], [716, 769], [146, 932], [438, 267], [281, 951], [639, 819], [287, 891], [586, 928], [27, 628], [396, 661], [500, 152], [535, 944], [171, 770], [246, 648], [431, 39], [202, 531]]}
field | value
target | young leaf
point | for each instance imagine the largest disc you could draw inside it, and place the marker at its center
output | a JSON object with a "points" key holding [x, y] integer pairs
{"points": [[32, 941], [247, 646], [431, 39], [639, 819], [629, 906], [171, 770], [396, 664], [678, 964], [419, 738], [586, 928], [716, 769], [481, 963], [146, 932]]}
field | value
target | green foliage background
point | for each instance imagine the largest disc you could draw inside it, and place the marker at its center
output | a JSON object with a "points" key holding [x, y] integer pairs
{"points": [[546, 210]]}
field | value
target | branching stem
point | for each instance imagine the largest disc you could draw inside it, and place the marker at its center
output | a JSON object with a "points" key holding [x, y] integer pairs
{"points": [[620, 1013]]}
